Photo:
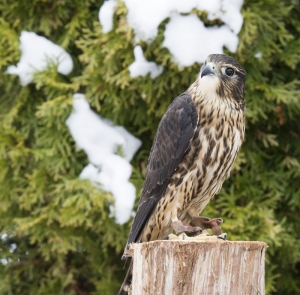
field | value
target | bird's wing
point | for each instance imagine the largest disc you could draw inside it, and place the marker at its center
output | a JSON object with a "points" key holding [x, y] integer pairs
{"points": [[175, 132]]}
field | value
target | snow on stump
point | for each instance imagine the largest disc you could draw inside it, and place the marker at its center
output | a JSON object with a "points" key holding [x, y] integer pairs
{"points": [[198, 267]]}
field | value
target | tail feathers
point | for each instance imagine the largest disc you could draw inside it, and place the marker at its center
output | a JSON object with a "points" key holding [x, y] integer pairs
{"points": [[126, 286]]}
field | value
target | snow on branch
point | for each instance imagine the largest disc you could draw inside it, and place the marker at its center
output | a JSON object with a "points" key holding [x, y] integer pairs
{"points": [[101, 142], [106, 14], [36, 52], [146, 15], [186, 37], [189, 41], [141, 67]]}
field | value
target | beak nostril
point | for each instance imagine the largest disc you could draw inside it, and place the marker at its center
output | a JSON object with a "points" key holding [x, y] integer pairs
{"points": [[208, 70]]}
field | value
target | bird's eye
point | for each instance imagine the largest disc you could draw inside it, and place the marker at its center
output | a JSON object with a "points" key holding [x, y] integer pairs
{"points": [[229, 71]]}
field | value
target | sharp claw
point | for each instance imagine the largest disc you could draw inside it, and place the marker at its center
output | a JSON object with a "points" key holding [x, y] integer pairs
{"points": [[222, 236]]}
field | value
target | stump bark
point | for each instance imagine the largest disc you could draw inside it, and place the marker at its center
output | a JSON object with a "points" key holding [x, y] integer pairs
{"points": [[198, 267]]}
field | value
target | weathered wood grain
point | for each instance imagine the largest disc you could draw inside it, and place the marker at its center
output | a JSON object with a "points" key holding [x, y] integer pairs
{"points": [[198, 267]]}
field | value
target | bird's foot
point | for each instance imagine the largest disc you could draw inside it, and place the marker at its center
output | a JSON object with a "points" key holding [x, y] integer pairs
{"points": [[181, 227], [205, 223]]}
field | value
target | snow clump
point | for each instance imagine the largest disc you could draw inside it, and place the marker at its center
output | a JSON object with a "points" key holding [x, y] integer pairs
{"points": [[106, 14], [141, 67], [107, 170], [186, 37], [189, 41], [36, 52]]}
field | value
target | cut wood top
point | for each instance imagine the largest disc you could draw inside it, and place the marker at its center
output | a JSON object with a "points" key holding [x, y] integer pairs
{"points": [[201, 243]]}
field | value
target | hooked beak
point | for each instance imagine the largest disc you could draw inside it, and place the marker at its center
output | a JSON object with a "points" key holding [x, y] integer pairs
{"points": [[207, 71]]}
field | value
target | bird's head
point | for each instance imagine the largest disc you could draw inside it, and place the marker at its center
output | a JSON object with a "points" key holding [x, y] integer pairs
{"points": [[224, 75]]}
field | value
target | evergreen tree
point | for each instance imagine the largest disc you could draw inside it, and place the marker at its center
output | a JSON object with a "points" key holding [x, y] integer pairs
{"points": [[60, 236]]}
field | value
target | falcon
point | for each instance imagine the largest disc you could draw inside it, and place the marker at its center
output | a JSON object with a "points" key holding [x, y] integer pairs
{"points": [[197, 140]]}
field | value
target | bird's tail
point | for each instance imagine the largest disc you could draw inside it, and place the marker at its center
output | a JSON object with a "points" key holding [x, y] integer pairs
{"points": [[126, 286]]}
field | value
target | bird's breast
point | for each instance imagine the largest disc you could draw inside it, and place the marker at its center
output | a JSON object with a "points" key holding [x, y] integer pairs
{"points": [[209, 158]]}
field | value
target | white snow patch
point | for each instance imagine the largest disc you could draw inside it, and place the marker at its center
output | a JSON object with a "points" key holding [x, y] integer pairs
{"points": [[4, 237], [141, 67], [12, 247], [145, 17], [258, 54], [36, 52], [227, 10], [189, 41], [101, 140], [106, 14], [4, 261]]}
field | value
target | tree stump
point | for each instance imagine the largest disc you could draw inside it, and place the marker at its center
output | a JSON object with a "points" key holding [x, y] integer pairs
{"points": [[198, 267]]}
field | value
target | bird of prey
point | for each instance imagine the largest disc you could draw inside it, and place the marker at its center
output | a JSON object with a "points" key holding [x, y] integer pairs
{"points": [[197, 140]]}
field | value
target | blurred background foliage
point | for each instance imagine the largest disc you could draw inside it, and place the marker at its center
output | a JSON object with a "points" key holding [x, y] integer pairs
{"points": [[61, 238]]}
